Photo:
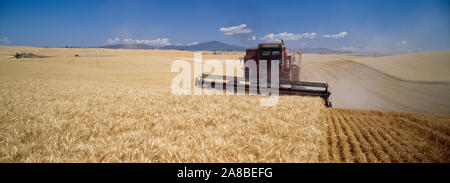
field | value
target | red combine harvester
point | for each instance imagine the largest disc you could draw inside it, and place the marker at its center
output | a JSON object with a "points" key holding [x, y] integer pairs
{"points": [[289, 73]]}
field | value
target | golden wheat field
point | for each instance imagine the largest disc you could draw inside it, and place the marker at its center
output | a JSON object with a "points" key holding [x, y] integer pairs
{"points": [[116, 106]]}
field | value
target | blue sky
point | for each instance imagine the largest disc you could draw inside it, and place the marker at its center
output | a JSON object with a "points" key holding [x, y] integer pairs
{"points": [[395, 26]]}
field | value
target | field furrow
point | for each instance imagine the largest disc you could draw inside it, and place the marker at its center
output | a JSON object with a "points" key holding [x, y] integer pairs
{"points": [[408, 150], [373, 136], [367, 152], [351, 144], [342, 141], [433, 135], [382, 138], [335, 152], [379, 150], [355, 144], [325, 151]]}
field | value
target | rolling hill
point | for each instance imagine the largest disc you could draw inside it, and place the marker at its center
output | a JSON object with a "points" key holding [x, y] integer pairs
{"points": [[210, 46]]}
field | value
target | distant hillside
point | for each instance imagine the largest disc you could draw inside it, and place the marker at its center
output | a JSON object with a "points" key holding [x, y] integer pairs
{"points": [[210, 46], [424, 67], [128, 46], [322, 50]]}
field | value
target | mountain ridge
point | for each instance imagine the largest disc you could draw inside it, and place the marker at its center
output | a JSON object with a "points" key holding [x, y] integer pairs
{"points": [[212, 46]]}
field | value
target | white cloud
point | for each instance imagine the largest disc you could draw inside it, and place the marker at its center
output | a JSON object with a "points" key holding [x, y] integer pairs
{"points": [[303, 44], [239, 29], [287, 36], [5, 40], [309, 35], [340, 35], [193, 43], [116, 40], [401, 43], [154, 42], [252, 38]]}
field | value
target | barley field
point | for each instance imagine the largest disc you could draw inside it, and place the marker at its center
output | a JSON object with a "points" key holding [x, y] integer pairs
{"points": [[116, 106]]}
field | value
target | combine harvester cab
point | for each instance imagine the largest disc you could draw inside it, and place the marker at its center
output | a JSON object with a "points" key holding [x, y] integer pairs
{"points": [[289, 73]]}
